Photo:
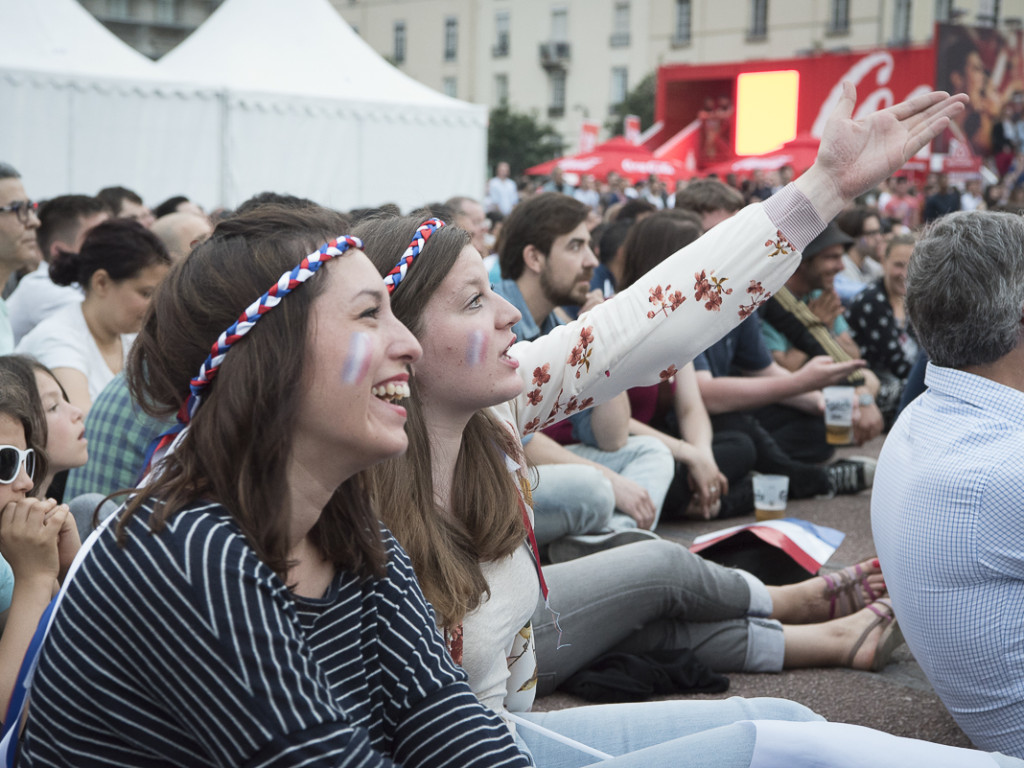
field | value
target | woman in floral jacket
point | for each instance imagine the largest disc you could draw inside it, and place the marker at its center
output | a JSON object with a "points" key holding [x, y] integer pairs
{"points": [[470, 407]]}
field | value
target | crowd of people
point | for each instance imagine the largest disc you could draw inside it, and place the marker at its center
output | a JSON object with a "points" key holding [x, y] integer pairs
{"points": [[361, 486]]}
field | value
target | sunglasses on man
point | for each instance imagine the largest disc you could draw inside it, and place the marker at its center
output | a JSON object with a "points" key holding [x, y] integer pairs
{"points": [[11, 460]]}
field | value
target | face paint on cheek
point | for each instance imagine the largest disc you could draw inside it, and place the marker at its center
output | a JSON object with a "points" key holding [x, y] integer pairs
{"points": [[475, 351], [357, 362]]}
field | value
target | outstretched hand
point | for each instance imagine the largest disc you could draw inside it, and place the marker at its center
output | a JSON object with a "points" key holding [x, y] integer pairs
{"points": [[855, 155]]}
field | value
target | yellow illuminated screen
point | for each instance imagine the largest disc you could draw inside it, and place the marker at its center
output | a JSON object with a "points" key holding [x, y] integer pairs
{"points": [[766, 105]]}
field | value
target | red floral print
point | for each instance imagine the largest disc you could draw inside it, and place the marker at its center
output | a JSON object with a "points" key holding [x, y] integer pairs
{"points": [[665, 300], [668, 373], [760, 296], [534, 396], [541, 375], [710, 288], [782, 245]]}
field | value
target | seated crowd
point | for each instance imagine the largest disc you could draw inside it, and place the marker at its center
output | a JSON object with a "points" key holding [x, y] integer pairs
{"points": [[519, 435]]}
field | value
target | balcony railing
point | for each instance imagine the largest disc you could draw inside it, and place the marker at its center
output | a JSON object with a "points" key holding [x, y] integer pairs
{"points": [[554, 54]]}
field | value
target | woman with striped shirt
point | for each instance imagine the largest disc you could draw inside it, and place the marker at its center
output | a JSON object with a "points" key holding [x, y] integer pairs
{"points": [[247, 608]]}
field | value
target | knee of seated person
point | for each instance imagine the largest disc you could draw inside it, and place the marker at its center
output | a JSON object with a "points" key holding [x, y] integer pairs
{"points": [[651, 449], [767, 708]]}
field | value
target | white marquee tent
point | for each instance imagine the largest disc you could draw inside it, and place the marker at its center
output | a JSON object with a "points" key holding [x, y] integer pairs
{"points": [[311, 109], [80, 110], [264, 95]]}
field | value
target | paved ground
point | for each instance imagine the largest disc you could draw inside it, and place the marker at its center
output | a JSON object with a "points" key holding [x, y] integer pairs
{"points": [[898, 700]]}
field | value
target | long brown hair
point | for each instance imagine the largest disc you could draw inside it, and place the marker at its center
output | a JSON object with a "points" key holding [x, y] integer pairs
{"points": [[240, 439], [484, 523], [653, 239]]}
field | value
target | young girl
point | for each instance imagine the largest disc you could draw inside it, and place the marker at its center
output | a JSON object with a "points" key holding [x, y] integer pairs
{"points": [[247, 608], [463, 514], [119, 266], [63, 423], [38, 538]]}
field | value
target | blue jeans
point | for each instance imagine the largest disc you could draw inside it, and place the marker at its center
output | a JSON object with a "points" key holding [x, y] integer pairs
{"points": [[697, 734], [644, 460], [570, 499]]}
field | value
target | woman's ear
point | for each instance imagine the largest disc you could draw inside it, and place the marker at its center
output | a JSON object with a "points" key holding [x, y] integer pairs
{"points": [[100, 282]]}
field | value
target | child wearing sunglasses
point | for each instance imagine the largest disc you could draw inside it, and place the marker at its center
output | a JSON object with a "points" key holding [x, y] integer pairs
{"points": [[38, 538]]}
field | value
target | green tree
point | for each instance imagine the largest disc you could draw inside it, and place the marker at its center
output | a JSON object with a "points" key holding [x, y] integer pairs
{"points": [[640, 102], [520, 139]]}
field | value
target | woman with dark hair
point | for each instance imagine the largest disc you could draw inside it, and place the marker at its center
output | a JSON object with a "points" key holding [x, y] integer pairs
{"points": [[119, 266], [247, 608], [459, 500]]}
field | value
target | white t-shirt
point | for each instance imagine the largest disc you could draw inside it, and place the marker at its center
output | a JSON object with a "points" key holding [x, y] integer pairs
{"points": [[36, 298], [63, 340]]}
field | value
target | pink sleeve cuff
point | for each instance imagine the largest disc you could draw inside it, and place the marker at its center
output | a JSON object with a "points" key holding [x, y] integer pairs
{"points": [[794, 216]]}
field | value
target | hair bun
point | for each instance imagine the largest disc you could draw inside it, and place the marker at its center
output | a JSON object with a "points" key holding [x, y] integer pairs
{"points": [[64, 268]]}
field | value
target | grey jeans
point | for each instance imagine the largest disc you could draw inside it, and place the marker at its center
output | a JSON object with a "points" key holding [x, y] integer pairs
{"points": [[653, 595]]}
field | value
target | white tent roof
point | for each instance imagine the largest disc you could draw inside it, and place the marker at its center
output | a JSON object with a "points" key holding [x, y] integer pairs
{"points": [[60, 37], [258, 46]]}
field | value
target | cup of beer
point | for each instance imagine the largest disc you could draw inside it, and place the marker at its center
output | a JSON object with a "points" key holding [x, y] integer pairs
{"points": [[839, 415], [770, 495]]}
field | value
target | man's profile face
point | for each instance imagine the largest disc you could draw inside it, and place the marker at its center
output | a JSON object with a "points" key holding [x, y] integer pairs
{"points": [[472, 219], [568, 268], [18, 246], [820, 272], [136, 212]]}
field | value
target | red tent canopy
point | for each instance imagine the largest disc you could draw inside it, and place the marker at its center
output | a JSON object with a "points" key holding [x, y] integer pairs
{"points": [[628, 160], [799, 153]]}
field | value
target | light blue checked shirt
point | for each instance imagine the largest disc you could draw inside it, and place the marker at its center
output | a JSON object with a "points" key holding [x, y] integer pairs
{"points": [[947, 512]]}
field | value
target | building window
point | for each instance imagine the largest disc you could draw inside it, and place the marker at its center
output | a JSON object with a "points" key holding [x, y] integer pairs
{"points": [[758, 20], [118, 9], [620, 24], [556, 107], [683, 22], [450, 86], [943, 11], [501, 34], [399, 50], [839, 17], [501, 89], [901, 22], [451, 38], [619, 85], [559, 25]]}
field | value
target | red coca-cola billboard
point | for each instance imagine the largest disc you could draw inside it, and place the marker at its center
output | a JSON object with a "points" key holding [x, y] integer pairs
{"points": [[882, 78]]}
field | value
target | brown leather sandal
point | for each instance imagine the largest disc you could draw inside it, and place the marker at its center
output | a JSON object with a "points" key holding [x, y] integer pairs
{"points": [[890, 640]]}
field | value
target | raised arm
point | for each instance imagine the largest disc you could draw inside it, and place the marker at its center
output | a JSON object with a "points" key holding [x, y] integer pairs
{"points": [[692, 299]]}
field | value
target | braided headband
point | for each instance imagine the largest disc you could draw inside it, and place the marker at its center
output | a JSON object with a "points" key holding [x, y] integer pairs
{"points": [[423, 233], [285, 285]]}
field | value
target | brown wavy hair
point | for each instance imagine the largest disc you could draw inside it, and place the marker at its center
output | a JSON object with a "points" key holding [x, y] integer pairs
{"points": [[485, 522], [240, 439]]}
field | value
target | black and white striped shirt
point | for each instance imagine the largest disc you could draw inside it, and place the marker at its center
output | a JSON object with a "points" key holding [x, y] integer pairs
{"points": [[184, 649]]}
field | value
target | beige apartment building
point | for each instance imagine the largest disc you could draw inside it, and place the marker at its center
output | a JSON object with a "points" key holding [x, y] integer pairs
{"points": [[574, 60]]}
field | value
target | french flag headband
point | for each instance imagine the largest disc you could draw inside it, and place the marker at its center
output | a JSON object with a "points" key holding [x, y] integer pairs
{"points": [[245, 322], [423, 233], [285, 285]]}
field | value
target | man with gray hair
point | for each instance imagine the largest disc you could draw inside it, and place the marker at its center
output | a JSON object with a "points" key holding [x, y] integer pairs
{"points": [[18, 246], [949, 490]]}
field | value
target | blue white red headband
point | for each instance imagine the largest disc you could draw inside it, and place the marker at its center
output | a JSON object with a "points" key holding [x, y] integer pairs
{"points": [[245, 322], [423, 233]]}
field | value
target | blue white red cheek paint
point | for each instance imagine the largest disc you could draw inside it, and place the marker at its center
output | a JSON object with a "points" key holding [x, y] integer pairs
{"points": [[357, 362], [476, 349]]}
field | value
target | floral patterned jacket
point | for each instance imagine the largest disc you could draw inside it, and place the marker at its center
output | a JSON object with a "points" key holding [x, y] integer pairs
{"points": [[643, 334]]}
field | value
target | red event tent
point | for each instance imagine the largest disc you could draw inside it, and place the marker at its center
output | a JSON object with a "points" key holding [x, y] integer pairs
{"points": [[799, 153], [628, 160]]}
